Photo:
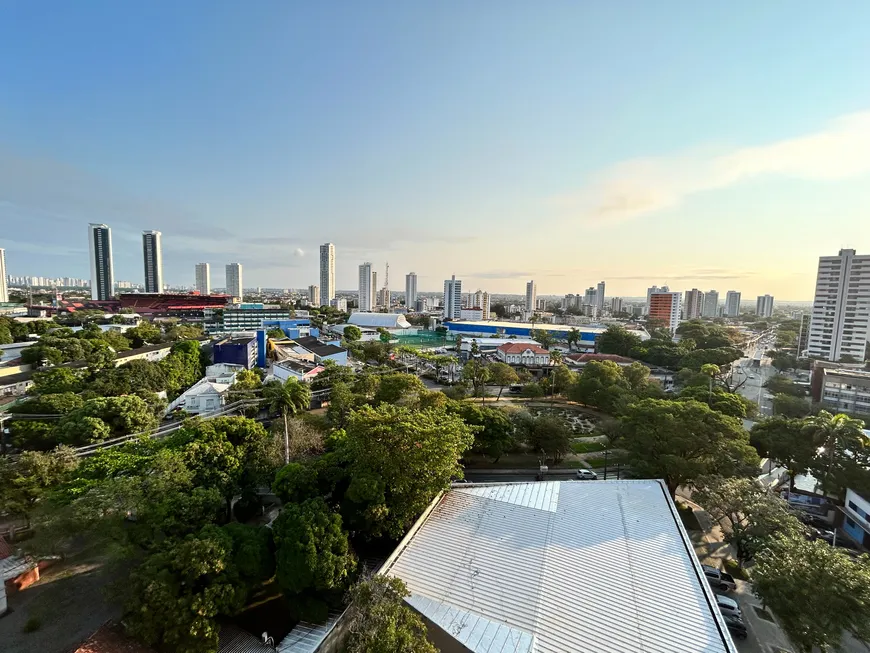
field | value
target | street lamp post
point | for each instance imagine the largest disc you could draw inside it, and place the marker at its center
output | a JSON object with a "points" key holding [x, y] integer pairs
{"points": [[606, 451]]}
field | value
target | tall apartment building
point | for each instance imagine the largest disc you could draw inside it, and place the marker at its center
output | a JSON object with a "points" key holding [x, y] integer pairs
{"points": [[650, 291], [694, 304], [481, 301], [203, 278], [531, 297], [764, 305], [599, 297], [366, 292], [234, 283], [665, 307], [590, 299], [615, 305], [314, 295], [711, 304], [411, 290], [4, 291], [327, 273], [840, 323], [732, 303], [804, 333], [102, 268], [452, 298], [152, 256]]}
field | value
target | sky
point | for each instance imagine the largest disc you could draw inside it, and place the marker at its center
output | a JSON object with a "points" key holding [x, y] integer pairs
{"points": [[709, 145]]}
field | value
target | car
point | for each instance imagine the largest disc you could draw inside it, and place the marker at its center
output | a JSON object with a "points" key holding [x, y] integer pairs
{"points": [[586, 475], [719, 579], [736, 626], [728, 606]]}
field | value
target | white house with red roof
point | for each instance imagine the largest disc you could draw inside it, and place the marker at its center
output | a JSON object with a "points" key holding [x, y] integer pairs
{"points": [[523, 353]]}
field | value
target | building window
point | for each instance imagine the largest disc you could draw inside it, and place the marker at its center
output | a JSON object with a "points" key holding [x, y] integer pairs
{"points": [[850, 523], [853, 507]]}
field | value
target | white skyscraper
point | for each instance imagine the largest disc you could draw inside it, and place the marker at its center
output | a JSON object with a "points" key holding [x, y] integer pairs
{"points": [[599, 297], [366, 287], [452, 298], [711, 304], [203, 278], [102, 268], [840, 323], [313, 295], [152, 255], [4, 291], [732, 303], [411, 290], [531, 296], [235, 286], [694, 304], [764, 305], [327, 273]]}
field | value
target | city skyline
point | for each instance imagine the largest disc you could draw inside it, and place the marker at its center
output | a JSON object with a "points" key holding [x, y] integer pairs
{"points": [[583, 152]]}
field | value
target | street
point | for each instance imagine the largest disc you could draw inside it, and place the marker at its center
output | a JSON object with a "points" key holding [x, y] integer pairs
{"points": [[752, 379]]}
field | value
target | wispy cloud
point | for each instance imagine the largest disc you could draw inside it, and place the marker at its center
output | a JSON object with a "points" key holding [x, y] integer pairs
{"points": [[641, 186]]}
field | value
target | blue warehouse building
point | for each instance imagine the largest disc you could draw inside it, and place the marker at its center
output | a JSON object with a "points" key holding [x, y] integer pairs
{"points": [[588, 334], [239, 351]]}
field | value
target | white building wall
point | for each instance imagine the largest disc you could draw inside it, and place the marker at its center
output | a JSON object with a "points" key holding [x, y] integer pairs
{"points": [[732, 303], [366, 288], [452, 298], [203, 278], [711, 304], [531, 297], [764, 305], [234, 282], [327, 273], [411, 290]]}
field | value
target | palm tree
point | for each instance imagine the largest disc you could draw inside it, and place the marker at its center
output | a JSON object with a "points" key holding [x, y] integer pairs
{"points": [[835, 433], [288, 398], [573, 337], [556, 357]]}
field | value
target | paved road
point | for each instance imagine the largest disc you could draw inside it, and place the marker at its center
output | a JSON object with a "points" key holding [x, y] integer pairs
{"points": [[755, 378]]}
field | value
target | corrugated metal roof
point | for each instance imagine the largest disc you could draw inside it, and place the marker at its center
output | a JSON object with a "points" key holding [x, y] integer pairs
{"points": [[307, 637], [561, 566]]}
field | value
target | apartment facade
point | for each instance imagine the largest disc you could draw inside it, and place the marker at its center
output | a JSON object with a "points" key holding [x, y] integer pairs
{"points": [[203, 279], [234, 282], [694, 304], [411, 290], [764, 305], [314, 295], [531, 297], [366, 288], [152, 256], [327, 273], [842, 390], [4, 291], [452, 298], [732, 303], [599, 297], [711, 304], [649, 293], [666, 307], [102, 268], [840, 322]]}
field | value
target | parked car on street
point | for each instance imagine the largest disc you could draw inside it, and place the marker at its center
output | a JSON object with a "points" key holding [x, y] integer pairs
{"points": [[736, 625], [719, 579], [728, 606], [586, 475]]}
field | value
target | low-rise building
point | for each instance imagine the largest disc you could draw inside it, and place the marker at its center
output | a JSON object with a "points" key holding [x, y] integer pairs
{"points": [[856, 521], [239, 351], [840, 389], [295, 368], [319, 351], [529, 355], [236, 318], [474, 313]]}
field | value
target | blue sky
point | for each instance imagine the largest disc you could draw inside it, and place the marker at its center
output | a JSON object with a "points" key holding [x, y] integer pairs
{"points": [[722, 146]]}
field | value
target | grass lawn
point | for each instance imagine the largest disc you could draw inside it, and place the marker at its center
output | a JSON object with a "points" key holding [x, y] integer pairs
{"points": [[587, 447]]}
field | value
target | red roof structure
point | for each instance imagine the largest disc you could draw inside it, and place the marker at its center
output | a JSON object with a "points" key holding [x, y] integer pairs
{"points": [[520, 347]]}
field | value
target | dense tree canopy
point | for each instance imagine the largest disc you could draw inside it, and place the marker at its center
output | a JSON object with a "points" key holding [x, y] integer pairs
{"points": [[617, 340]]}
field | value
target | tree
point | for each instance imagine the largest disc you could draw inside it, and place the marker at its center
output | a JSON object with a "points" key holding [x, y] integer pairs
{"points": [[556, 357], [312, 549], [681, 441], [332, 373], [295, 483], [253, 552], [718, 399], [288, 398], [477, 373], [550, 435], [381, 622], [601, 385], [352, 333], [100, 357], [341, 402], [748, 512], [697, 359], [844, 445], [5, 335], [573, 337], [57, 380], [562, 379], [399, 460], [532, 390], [124, 415], [781, 385], [816, 590], [496, 431], [788, 406], [176, 594], [183, 332], [41, 355], [787, 442], [398, 386], [142, 334], [22, 485], [502, 374], [617, 340], [544, 337]]}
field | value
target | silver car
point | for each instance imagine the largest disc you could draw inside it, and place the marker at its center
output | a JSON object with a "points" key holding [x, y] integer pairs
{"points": [[728, 606], [586, 475]]}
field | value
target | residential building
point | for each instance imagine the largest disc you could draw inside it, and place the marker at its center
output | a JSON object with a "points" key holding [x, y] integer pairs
{"points": [[615, 305], [4, 292], [571, 302], [481, 300], [840, 323], [590, 298], [711, 304], [531, 297], [665, 308], [557, 566], [384, 298], [234, 282], [519, 353], [411, 290], [422, 305], [203, 279], [339, 303], [694, 304], [650, 291], [152, 256], [314, 295], [599, 297], [764, 306], [471, 314], [365, 300], [452, 298], [238, 351], [804, 333], [327, 273], [292, 368], [841, 390], [102, 268], [209, 394], [250, 317], [315, 350], [856, 523], [732, 303]]}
